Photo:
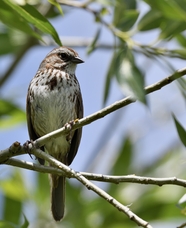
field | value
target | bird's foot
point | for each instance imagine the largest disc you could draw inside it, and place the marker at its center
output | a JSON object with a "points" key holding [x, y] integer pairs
{"points": [[26, 147], [69, 126]]}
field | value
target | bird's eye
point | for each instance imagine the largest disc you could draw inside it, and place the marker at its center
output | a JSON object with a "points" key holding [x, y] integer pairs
{"points": [[64, 56]]}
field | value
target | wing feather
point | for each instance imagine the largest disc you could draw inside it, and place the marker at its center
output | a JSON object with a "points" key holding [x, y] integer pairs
{"points": [[78, 133], [32, 133]]}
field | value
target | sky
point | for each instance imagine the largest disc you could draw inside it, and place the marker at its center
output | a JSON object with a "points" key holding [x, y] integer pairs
{"points": [[91, 75], [151, 128]]}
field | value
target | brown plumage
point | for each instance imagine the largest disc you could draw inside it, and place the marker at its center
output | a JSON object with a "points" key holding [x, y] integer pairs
{"points": [[54, 98]]}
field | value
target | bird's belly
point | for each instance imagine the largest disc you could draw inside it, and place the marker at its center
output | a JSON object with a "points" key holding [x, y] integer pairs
{"points": [[58, 147], [53, 109]]}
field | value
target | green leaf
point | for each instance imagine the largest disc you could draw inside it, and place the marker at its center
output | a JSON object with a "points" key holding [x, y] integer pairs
{"points": [[127, 20], [11, 40], [182, 86], [15, 206], [170, 28], [124, 15], [104, 11], [43, 188], [92, 46], [105, 2], [6, 45], [12, 19], [109, 77], [181, 40], [151, 20], [167, 15], [18, 192], [14, 194], [181, 131], [171, 9], [41, 194], [25, 224], [5, 224], [180, 52], [129, 76], [30, 14], [129, 4], [10, 114], [57, 5], [124, 157]]}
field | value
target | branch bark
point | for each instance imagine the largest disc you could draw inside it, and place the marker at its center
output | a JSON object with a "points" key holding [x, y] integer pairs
{"points": [[107, 110], [17, 149], [99, 177], [89, 185]]}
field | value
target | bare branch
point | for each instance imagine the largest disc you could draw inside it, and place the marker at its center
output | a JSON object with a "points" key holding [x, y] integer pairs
{"points": [[89, 185], [98, 16], [33, 166], [100, 177], [135, 179], [107, 110], [16, 149], [6, 154], [69, 173]]}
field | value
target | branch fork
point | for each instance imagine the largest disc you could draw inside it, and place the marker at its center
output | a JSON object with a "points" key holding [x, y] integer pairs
{"points": [[60, 169]]}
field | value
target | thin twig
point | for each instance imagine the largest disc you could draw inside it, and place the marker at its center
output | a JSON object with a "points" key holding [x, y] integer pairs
{"points": [[14, 150], [71, 173], [100, 177], [17, 149], [107, 110], [97, 14], [4, 155], [90, 186]]}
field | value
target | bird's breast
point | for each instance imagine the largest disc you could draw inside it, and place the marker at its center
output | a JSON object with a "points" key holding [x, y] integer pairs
{"points": [[53, 100]]}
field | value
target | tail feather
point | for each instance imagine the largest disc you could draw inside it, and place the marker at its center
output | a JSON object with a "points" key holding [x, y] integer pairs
{"points": [[58, 197]]}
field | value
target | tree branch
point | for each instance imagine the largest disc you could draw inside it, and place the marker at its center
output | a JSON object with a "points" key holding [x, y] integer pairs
{"points": [[107, 110], [99, 177], [98, 17], [17, 149], [89, 185]]}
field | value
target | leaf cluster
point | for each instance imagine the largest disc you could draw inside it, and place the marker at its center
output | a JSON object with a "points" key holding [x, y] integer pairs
{"points": [[24, 26]]}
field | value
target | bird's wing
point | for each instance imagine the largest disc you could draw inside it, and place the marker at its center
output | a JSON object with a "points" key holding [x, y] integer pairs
{"points": [[77, 134], [31, 131]]}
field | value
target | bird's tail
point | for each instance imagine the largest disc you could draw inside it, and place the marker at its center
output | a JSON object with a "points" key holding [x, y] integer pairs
{"points": [[57, 196]]}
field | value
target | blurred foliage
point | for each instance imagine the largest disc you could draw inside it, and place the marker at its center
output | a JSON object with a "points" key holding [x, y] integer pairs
{"points": [[181, 131], [15, 193], [85, 209], [128, 75], [23, 25], [10, 114], [21, 16]]}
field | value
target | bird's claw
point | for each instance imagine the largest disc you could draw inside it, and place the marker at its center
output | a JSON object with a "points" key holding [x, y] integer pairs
{"points": [[26, 147], [69, 126]]}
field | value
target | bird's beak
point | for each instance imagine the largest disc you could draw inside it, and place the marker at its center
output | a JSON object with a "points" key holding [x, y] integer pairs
{"points": [[77, 60]]}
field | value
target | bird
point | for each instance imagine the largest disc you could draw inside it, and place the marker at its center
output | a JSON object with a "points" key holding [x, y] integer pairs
{"points": [[54, 99]]}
